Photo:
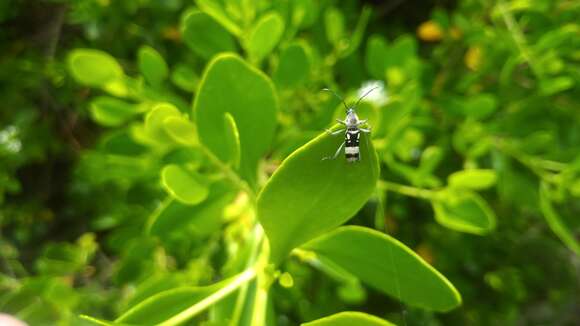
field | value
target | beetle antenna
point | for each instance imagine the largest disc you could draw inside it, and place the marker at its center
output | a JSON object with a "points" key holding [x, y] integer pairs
{"points": [[365, 94], [337, 96]]}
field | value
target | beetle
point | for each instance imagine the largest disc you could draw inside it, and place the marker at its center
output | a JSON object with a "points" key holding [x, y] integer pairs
{"points": [[352, 129]]}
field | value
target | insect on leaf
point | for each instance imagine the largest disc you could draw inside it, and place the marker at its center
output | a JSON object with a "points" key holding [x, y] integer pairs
{"points": [[307, 196]]}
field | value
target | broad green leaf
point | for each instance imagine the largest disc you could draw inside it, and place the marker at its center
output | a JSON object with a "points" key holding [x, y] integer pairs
{"points": [[334, 24], [112, 112], [294, 66], [152, 65], [555, 221], [204, 218], [265, 36], [225, 87], [154, 121], [308, 196], [232, 137], [463, 211], [181, 130], [151, 286], [376, 54], [215, 10], [176, 306], [93, 67], [349, 318], [204, 36], [386, 264], [182, 185], [475, 179]]}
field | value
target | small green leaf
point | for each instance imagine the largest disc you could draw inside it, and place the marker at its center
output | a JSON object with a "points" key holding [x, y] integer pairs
{"points": [[152, 65], [376, 54], [349, 318], [182, 185], [475, 179], [176, 306], [294, 66], [232, 136], [463, 211], [181, 130], [265, 36], [334, 23], [225, 87], [184, 77], [215, 10], [154, 121], [480, 106], [556, 85], [387, 265], [206, 37], [555, 221], [307, 196], [93, 67], [112, 112], [206, 217]]}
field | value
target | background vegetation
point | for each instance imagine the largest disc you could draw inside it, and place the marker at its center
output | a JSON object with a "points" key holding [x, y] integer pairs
{"points": [[138, 140]]}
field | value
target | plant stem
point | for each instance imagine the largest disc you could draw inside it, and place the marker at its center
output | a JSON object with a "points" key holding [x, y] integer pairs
{"points": [[407, 190], [230, 174], [241, 299], [240, 280], [518, 36]]}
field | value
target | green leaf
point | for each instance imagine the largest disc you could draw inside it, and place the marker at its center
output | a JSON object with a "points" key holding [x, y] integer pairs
{"points": [[154, 121], [93, 67], [349, 318], [232, 137], [475, 179], [556, 85], [555, 221], [152, 65], [387, 265], [307, 196], [294, 66], [182, 185], [176, 306], [204, 36], [480, 106], [206, 217], [225, 88], [265, 36], [463, 211], [334, 23], [357, 35], [181, 130], [376, 54], [112, 112], [214, 9], [184, 77]]}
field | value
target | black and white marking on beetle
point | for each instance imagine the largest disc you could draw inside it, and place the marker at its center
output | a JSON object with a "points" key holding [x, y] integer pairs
{"points": [[352, 129]]}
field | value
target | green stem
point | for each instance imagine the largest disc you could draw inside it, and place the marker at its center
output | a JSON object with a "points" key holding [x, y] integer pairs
{"points": [[230, 174], [241, 299], [518, 36], [407, 190]]}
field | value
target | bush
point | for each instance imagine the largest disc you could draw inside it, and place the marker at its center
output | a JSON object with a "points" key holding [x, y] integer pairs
{"points": [[165, 162]]}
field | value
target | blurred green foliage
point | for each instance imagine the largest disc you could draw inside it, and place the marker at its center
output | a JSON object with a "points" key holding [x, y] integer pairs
{"points": [[144, 144]]}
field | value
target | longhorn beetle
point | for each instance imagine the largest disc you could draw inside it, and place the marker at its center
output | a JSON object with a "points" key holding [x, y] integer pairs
{"points": [[352, 129]]}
